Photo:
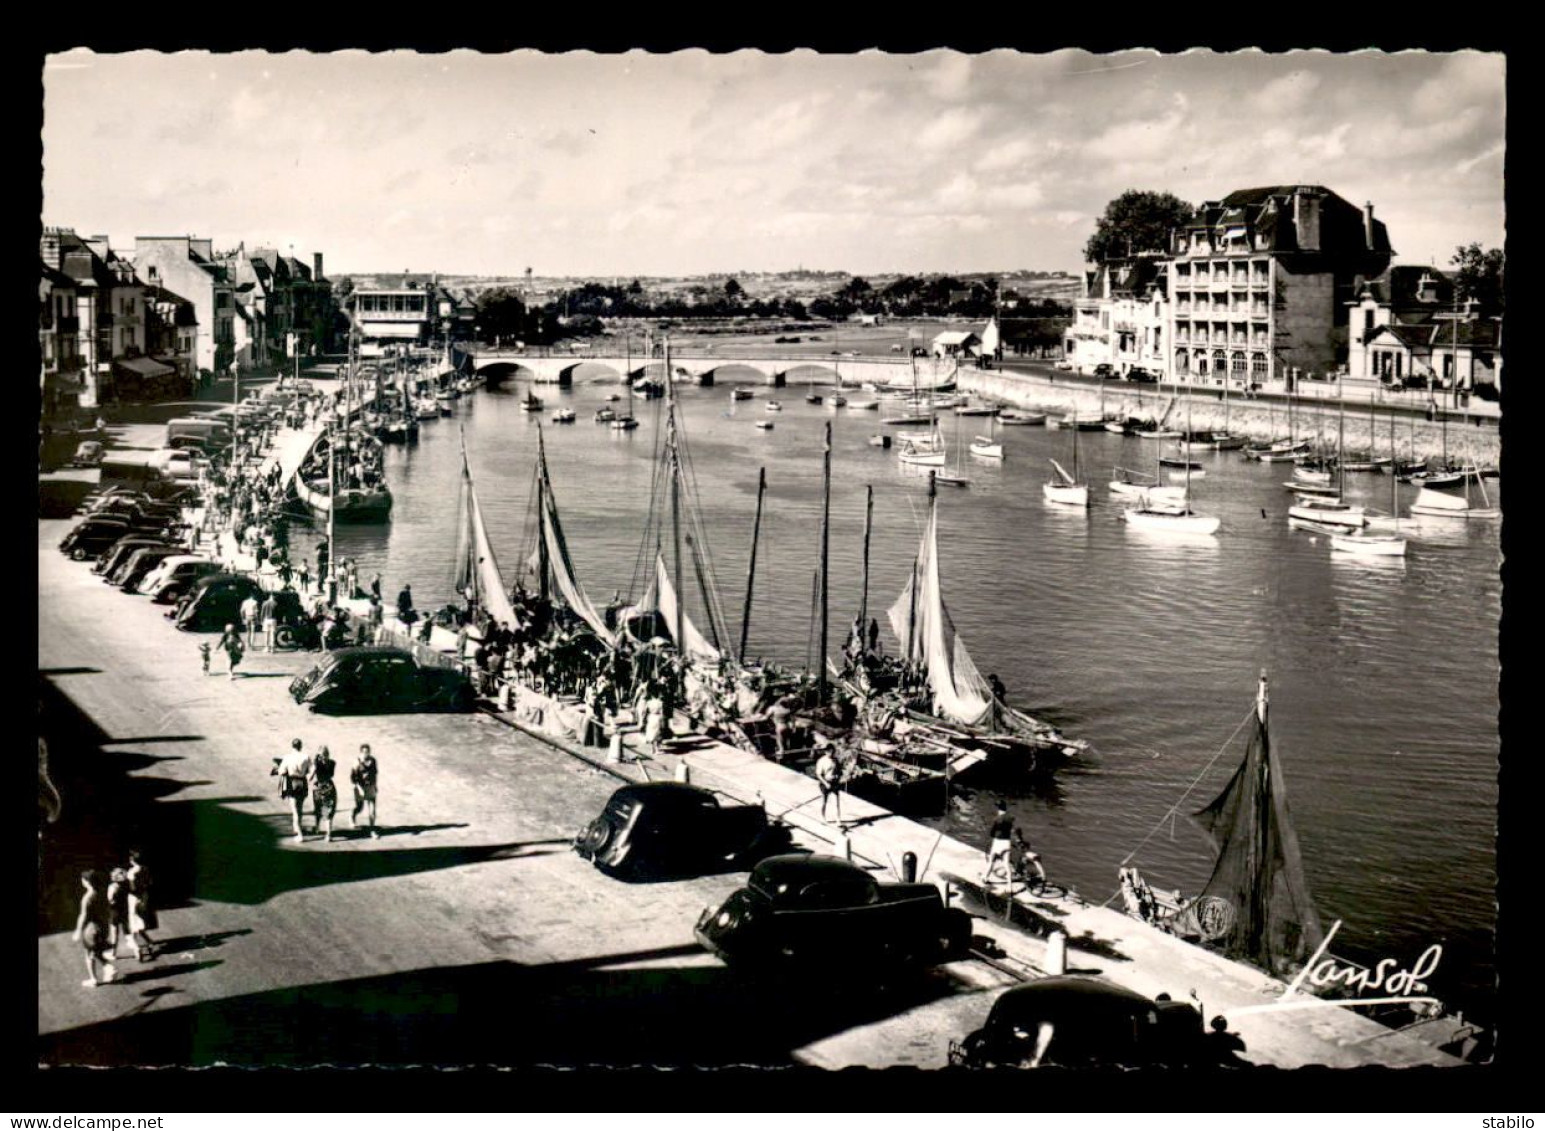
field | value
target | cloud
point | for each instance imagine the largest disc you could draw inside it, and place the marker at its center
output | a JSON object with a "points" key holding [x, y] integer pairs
{"points": [[1288, 92], [1146, 138], [247, 109], [1006, 155], [950, 77], [950, 129]]}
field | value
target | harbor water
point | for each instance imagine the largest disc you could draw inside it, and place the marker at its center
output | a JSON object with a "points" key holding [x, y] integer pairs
{"points": [[1383, 671]]}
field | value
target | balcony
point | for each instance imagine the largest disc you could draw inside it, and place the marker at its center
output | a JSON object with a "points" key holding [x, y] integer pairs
{"points": [[69, 324]]}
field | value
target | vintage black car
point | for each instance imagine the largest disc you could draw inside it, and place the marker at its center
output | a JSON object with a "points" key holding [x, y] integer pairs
{"points": [[1138, 373], [661, 829], [805, 909], [1104, 369], [215, 601], [1079, 1022], [375, 679], [93, 536]]}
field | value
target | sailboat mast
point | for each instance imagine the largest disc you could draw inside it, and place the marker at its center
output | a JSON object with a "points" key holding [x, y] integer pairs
{"points": [[1261, 699], [826, 503], [1341, 420], [863, 600], [332, 506], [756, 533], [542, 504], [674, 468]]}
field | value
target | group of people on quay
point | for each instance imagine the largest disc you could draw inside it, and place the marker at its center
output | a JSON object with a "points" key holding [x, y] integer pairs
{"points": [[116, 908], [301, 774]]}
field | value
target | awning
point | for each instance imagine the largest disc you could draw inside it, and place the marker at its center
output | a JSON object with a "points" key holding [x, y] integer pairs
{"points": [[144, 366], [65, 382]]}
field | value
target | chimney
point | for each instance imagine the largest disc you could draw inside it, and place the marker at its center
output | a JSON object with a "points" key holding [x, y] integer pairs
{"points": [[1368, 224], [316, 264], [1306, 219]]}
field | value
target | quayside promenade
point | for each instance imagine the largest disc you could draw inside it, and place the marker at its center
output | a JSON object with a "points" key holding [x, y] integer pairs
{"points": [[469, 933]]}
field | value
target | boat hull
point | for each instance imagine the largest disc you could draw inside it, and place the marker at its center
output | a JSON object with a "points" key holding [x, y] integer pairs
{"points": [[1162, 521], [1369, 545], [1064, 495]]}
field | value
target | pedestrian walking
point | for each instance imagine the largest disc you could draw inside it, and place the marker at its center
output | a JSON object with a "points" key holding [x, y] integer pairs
{"points": [[204, 651], [94, 927], [405, 605], [998, 851], [324, 794], [269, 613], [230, 644], [364, 775], [118, 900], [294, 773], [304, 577], [142, 912], [828, 775], [249, 617]]}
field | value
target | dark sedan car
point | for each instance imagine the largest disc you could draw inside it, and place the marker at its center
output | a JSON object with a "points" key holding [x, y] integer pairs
{"points": [[663, 829], [93, 536], [1078, 1022], [215, 601], [119, 552], [806, 909], [374, 679]]}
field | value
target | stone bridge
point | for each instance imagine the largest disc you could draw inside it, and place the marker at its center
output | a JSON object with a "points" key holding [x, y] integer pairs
{"points": [[567, 369]]}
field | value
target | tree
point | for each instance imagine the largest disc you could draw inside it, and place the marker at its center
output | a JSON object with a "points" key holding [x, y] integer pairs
{"points": [[501, 314], [733, 290], [1478, 277], [1134, 222]]}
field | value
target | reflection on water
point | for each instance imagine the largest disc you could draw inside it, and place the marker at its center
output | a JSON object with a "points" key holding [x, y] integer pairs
{"points": [[1384, 671]]}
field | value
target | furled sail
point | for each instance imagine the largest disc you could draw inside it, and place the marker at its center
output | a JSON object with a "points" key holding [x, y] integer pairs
{"points": [[559, 564], [1257, 905], [927, 634], [695, 646]]}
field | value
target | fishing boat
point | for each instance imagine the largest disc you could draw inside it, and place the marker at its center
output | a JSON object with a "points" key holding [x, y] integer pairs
{"points": [[426, 408], [740, 393], [774, 406], [1013, 416], [604, 415], [564, 416], [531, 403], [334, 493]]}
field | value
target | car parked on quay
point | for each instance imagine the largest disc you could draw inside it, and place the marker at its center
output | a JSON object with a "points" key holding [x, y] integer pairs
{"points": [[807, 909], [213, 601], [1139, 374], [175, 576], [657, 830], [375, 679], [118, 553], [140, 561], [93, 536], [1073, 1021]]}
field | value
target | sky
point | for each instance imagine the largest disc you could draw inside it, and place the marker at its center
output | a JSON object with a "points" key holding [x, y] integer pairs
{"points": [[693, 163]]}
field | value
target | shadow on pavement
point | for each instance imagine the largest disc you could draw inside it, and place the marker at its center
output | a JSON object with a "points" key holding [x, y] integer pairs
{"points": [[61, 498], [195, 849], [498, 1013]]}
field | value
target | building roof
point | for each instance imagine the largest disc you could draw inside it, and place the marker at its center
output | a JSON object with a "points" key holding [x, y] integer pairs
{"points": [[57, 278], [1270, 211], [956, 337]]}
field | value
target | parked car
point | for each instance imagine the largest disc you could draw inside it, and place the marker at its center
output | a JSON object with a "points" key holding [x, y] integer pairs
{"points": [[1081, 1022], [88, 453], [1138, 373], [1064, 364], [670, 828], [1104, 370], [93, 536], [118, 553], [213, 601], [140, 562], [175, 576], [805, 909], [376, 679]]}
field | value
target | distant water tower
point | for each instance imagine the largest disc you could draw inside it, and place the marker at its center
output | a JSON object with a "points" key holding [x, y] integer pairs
{"points": [[528, 282]]}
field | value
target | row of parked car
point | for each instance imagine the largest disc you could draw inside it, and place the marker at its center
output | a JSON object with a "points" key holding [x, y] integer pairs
{"points": [[802, 911]]}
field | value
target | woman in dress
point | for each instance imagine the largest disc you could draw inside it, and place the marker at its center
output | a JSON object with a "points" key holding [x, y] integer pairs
{"points": [[323, 792], [230, 643], [142, 913], [94, 927], [118, 900]]}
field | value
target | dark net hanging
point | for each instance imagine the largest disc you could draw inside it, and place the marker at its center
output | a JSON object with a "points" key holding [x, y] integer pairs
{"points": [[1257, 906]]}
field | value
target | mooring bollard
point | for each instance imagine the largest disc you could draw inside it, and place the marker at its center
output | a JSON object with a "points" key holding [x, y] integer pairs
{"points": [[614, 748], [1057, 953], [909, 867], [845, 846], [683, 772]]}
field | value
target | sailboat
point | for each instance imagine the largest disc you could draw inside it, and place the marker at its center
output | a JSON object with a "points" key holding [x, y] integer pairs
{"points": [[329, 494], [1440, 504], [1065, 489], [625, 421], [923, 451], [1256, 906], [1164, 513], [1328, 514], [956, 478], [987, 447], [913, 414], [958, 695], [837, 400]]}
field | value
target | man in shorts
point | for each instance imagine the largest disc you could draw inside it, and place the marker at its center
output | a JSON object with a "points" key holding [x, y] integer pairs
{"points": [[364, 774], [1002, 834], [294, 772]]}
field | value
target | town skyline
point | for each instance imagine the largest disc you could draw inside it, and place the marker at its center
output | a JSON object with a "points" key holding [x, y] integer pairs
{"points": [[689, 164]]}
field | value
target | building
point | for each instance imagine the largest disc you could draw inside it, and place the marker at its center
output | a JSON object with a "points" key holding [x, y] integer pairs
{"points": [[957, 343], [405, 310], [1261, 280], [186, 266], [61, 381], [171, 333], [109, 311], [1406, 328], [1123, 318]]}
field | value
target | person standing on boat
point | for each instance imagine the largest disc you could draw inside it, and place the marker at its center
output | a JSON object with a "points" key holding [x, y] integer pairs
{"points": [[1001, 834], [999, 692]]}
